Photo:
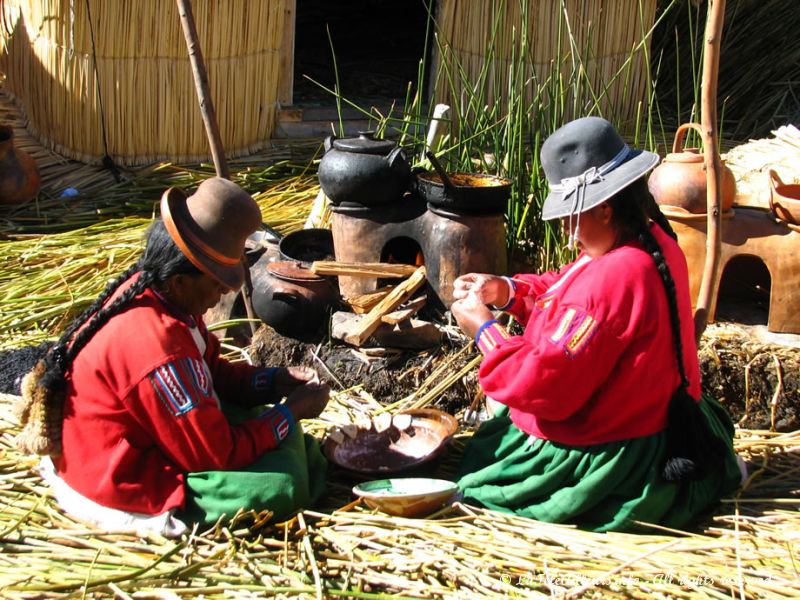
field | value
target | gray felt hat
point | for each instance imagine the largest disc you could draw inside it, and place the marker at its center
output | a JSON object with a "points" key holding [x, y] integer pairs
{"points": [[586, 162]]}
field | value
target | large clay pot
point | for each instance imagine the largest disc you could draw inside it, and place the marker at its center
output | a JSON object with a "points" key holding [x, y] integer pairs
{"points": [[363, 171], [19, 176], [289, 297], [680, 179]]}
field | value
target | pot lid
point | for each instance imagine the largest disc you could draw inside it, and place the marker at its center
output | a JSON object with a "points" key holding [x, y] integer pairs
{"points": [[291, 270], [365, 143]]}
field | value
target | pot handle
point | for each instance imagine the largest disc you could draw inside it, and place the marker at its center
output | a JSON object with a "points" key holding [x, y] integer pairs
{"points": [[677, 145], [392, 157], [291, 298], [774, 182], [328, 143]]}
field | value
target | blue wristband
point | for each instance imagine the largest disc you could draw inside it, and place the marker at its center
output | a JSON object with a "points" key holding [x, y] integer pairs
{"points": [[264, 380], [482, 327]]}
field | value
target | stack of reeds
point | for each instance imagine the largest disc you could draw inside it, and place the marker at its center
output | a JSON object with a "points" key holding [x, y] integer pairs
{"points": [[593, 48], [114, 77]]}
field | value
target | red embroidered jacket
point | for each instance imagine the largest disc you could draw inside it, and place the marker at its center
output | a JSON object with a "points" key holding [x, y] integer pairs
{"points": [[142, 409], [596, 362]]}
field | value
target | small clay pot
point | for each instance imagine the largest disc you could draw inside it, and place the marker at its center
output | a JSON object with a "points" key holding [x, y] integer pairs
{"points": [[784, 199], [680, 179], [19, 176]]}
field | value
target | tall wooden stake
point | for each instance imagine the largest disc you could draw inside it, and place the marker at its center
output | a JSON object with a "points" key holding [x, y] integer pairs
{"points": [[212, 129], [203, 91], [708, 123]]}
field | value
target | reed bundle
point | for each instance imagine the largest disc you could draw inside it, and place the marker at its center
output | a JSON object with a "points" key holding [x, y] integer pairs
{"points": [[116, 79], [745, 551]]}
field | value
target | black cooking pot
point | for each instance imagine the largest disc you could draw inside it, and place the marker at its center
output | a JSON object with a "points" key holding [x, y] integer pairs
{"points": [[473, 193], [307, 245], [363, 171]]}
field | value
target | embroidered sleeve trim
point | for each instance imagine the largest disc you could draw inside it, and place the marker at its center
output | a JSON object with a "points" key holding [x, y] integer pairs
{"points": [[490, 335], [280, 420], [180, 383]]}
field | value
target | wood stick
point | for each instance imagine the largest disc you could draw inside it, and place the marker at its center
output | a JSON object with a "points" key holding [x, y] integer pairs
{"points": [[330, 267], [412, 308], [394, 299], [364, 302]]}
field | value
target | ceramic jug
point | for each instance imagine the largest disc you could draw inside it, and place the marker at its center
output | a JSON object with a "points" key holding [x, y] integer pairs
{"points": [[680, 179], [19, 176]]}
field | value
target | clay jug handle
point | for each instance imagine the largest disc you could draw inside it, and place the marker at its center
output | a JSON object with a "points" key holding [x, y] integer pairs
{"points": [[677, 145], [774, 181], [328, 143]]}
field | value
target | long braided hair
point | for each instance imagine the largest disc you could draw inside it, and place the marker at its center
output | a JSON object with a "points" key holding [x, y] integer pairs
{"points": [[692, 448], [44, 388]]}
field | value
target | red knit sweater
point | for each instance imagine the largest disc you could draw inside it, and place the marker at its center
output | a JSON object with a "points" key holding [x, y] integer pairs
{"points": [[596, 362], [142, 409]]}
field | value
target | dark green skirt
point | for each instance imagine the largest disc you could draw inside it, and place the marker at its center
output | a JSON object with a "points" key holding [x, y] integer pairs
{"points": [[605, 487], [284, 480]]}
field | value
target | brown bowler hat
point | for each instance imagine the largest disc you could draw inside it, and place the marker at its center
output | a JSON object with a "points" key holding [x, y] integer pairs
{"points": [[210, 227]]}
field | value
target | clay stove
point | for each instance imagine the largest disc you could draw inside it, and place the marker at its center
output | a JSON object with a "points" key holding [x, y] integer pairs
{"points": [[448, 243], [748, 235]]}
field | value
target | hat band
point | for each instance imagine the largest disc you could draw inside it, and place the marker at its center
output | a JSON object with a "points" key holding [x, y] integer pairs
{"points": [[577, 185], [209, 251], [180, 238], [590, 175]]}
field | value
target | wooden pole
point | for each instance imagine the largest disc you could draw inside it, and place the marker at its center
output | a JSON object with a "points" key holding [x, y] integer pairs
{"points": [[203, 91], [212, 129], [708, 123]]}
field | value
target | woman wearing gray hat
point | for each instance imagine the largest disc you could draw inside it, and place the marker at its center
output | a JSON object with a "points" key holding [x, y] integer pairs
{"points": [[605, 426], [143, 425]]}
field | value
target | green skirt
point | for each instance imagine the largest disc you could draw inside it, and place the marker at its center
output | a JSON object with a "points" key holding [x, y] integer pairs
{"points": [[284, 480], [604, 487]]}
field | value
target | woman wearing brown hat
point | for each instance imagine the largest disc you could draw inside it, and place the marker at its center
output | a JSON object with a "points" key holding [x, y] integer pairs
{"points": [[127, 407], [603, 423]]}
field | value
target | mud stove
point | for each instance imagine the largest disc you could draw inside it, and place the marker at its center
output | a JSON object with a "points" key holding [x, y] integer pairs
{"points": [[449, 243]]}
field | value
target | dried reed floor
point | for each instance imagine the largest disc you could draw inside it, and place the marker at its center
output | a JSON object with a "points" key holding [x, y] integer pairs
{"points": [[747, 549]]}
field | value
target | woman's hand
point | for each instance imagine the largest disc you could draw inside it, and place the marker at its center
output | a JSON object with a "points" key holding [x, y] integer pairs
{"points": [[470, 313], [308, 400], [288, 379], [488, 289]]}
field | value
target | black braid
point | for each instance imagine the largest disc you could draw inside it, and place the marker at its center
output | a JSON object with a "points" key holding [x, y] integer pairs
{"points": [[692, 448], [160, 260]]}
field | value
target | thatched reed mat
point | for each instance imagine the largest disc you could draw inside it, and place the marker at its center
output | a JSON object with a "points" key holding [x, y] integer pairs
{"points": [[746, 550], [750, 163]]}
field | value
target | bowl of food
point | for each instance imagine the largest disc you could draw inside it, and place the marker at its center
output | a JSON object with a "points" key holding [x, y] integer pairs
{"points": [[390, 443], [468, 192], [407, 496]]}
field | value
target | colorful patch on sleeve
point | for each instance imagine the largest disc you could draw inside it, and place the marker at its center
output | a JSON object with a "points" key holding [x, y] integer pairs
{"points": [[574, 330], [581, 336], [490, 335], [280, 420], [181, 383]]}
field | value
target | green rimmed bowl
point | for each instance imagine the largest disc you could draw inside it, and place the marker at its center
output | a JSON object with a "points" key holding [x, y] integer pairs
{"points": [[407, 496]]}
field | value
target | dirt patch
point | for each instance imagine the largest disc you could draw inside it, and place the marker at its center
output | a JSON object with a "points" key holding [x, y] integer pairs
{"points": [[758, 383], [387, 379]]}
